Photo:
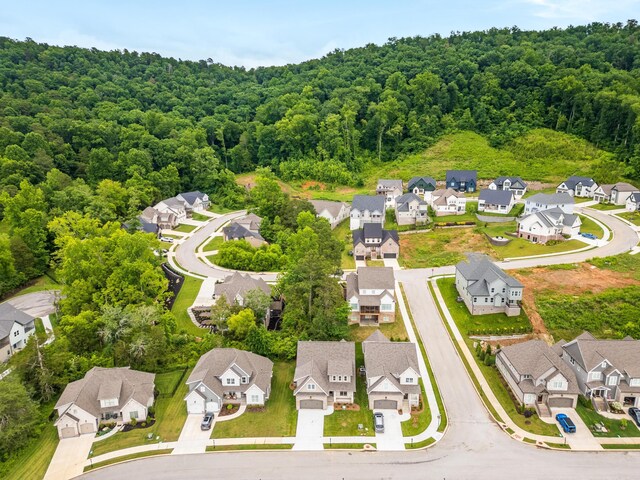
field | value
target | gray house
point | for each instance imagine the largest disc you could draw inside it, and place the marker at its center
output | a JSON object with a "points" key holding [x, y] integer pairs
{"points": [[537, 376], [495, 201], [462, 180], [544, 201], [392, 372], [325, 374], [367, 209], [15, 329], [373, 242], [607, 370], [485, 288], [410, 209], [390, 190]]}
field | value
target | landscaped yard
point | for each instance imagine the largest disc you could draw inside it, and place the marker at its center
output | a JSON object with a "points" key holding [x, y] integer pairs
{"points": [[606, 206], [589, 226], [185, 228], [171, 413], [345, 422], [395, 330], [186, 297], [343, 233], [200, 217], [614, 427], [214, 244], [277, 419], [633, 217], [419, 421]]}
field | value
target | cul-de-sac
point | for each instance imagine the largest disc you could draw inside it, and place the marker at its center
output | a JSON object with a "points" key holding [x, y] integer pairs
{"points": [[411, 259]]}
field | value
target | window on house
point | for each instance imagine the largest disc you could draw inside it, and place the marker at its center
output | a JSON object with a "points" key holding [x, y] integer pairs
{"points": [[408, 380], [343, 394], [475, 300], [612, 380], [557, 385], [596, 375], [634, 382], [134, 414], [230, 381], [311, 386], [493, 290], [244, 380], [255, 398]]}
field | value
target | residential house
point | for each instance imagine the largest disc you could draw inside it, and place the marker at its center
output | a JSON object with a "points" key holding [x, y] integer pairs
{"points": [[165, 220], [194, 201], [104, 394], [607, 370], [392, 373], [633, 202], [15, 329], [537, 376], [236, 286], [496, 201], [577, 186], [228, 375], [325, 374], [411, 210], [421, 185], [367, 209], [547, 201], [390, 189], [616, 193], [462, 180], [173, 206], [334, 212], [447, 202], [373, 242], [485, 288], [370, 293], [554, 224], [515, 185], [245, 228]]}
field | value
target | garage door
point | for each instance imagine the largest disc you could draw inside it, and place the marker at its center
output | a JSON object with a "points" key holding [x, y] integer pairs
{"points": [[316, 404], [389, 255], [561, 402], [68, 432], [87, 428], [359, 257], [388, 404]]}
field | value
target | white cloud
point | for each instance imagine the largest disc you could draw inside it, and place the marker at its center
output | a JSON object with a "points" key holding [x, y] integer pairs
{"points": [[580, 10]]}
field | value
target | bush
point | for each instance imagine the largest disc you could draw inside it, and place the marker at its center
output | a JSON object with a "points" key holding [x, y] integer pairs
{"points": [[623, 423], [152, 411], [133, 422], [528, 412], [229, 407], [143, 424]]}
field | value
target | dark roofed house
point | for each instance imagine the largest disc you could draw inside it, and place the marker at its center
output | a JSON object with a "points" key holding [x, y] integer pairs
{"points": [[515, 185], [485, 288], [15, 329], [366, 209], [496, 201], [373, 242], [371, 293], [245, 228], [577, 186], [421, 185], [195, 201], [462, 180]]}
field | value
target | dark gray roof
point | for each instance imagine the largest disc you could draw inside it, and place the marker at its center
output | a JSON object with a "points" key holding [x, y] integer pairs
{"points": [[235, 231], [551, 198], [10, 315], [374, 230], [402, 202], [573, 180], [496, 197], [483, 271], [191, 197], [148, 227], [516, 182], [462, 175], [635, 197], [368, 202], [415, 180], [589, 352]]}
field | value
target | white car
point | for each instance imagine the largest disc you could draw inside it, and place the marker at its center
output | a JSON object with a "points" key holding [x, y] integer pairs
{"points": [[166, 239]]}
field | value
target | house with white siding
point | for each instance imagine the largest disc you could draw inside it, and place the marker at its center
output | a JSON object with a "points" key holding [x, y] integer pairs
{"points": [[334, 212], [390, 190], [616, 193], [547, 201], [515, 185], [496, 201], [367, 209], [371, 294], [577, 186], [554, 224], [15, 329]]}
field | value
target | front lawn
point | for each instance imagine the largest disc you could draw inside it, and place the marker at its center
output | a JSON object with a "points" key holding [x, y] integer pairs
{"points": [[185, 228], [606, 206], [199, 217], [589, 226], [419, 421], [375, 263], [614, 427], [186, 297], [633, 217], [214, 244], [277, 419], [342, 423], [32, 461], [171, 413]]}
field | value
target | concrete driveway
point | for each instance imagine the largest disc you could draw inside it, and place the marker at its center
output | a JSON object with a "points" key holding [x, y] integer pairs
{"points": [[582, 439], [391, 262], [192, 438], [310, 429], [37, 304], [69, 459], [391, 439]]}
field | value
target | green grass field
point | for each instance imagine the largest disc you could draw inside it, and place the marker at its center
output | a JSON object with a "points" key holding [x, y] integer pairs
{"points": [[589, 226], [343, 233], [395, 330], [419, 421], [614, 427], [33, 461], [214, 244], [606, 206], [200, 217], [131, 456], [185, 228], [185, 299], [633, 217], [279, 417], [219, 209], [167, 383]]}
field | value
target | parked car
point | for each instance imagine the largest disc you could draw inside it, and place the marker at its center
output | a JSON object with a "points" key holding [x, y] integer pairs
{"points": [[207, 421], [378, 422], [635, 414], [166, 239], [566, 423], [590, 236]]}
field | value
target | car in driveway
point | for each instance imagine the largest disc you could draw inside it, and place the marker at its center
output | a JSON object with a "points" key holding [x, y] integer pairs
{"points": [[635, 414], [207, 421], [590, 236], [378, 422], [566, 423], [166, 239]]}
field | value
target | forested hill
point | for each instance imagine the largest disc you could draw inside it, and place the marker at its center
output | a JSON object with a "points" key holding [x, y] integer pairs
{"points": [[125, 115]]}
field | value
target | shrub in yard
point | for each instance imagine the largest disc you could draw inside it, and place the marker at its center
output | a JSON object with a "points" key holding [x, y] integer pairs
{"points": [[528, 412], [488, 352], [623, 423], [229, 407], [482, 354], [143, 424], [134, 422], [152, 411]]}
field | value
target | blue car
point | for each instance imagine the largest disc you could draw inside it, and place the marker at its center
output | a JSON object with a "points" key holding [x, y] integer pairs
{"points": [[590, 236], [566, 423]]}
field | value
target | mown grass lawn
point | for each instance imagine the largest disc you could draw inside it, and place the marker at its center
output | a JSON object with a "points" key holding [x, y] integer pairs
{"points": [[343, 423], [419, 421], [375, 263], [131, 456], [199, 217], [185, 228], [279, 416], [614, 427], [219, 209], [606, 206], [343, 233], [589, 226], [167, 382], [395, 330], [214, 244], [33, 461], [171, 413], [186, 297], [633, 217]]}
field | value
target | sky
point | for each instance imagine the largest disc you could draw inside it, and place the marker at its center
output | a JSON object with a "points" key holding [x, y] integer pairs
{"points": [[251, 33]]}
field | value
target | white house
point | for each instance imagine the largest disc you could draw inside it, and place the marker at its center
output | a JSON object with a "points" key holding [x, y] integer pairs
{"points": [[390, 189], [616, 193], [544, 201], [175, 206], [334, 212], [194, 201], [496, 201], [633, 202], [410, 209], [515, 185], [228, 375], [577, 186], [447, 202], [15, 329], [540, 227], [370, 293], [367, 209]]}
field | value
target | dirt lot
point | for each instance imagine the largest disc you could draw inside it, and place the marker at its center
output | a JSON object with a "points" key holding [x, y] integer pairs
{"points": [[582, 278]]}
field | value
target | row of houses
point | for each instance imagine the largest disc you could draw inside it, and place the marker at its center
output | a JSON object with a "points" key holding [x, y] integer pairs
{"points": [[171, 212]]}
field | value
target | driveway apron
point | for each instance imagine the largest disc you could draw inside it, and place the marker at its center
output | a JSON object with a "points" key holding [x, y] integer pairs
{"points": [[392, 438], [310, 430], [69, 459]]}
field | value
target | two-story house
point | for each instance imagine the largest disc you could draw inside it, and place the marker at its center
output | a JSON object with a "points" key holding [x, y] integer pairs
{"points": [[515, 185], [373, 242], [616, 193], [194, 201], [421, 185], [537, 376], [547, 201], [462, 180], [578, 186], [104, 394], [15, 329], [245, 228], [554, 224], [173, 206], [334, 212], [325, 374], [228, 375], [164, 220], [236, 286], [392, 373], [633, 202], [496, 201], [366, 209], [607, 370], [485, 288], [447, 202], [411, 210], [390, 190], [370, 293]]}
